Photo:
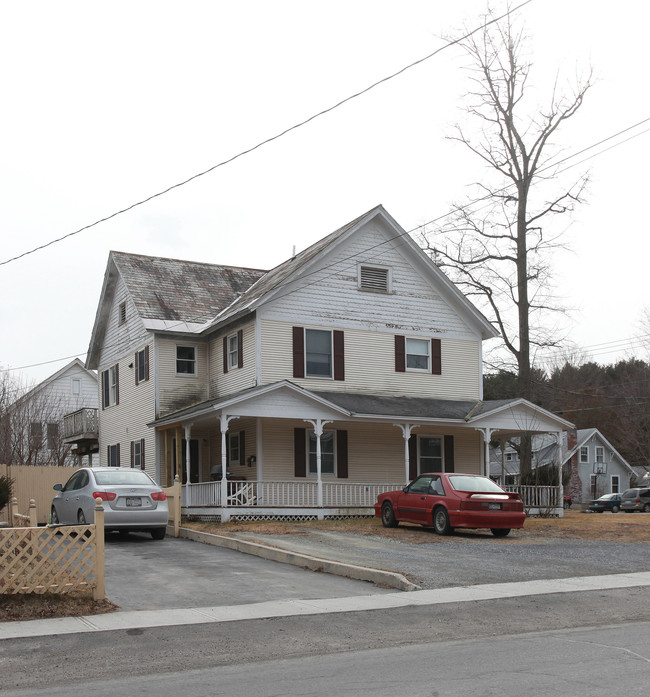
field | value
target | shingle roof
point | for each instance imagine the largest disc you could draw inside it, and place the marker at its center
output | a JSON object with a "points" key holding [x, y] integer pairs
{"points": [[171, 289]]}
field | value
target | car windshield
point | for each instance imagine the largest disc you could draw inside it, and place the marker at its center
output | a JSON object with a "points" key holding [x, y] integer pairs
{"points": [[116, 478], [474, 484]]}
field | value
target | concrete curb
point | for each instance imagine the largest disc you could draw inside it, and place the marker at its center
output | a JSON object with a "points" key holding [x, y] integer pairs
{"points": [[360, 573]]}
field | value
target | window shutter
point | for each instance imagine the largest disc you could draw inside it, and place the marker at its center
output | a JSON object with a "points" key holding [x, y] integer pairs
{"points": [[104, 388], [142, 453], [436, 357], [146, 362], [400, 354], [300, 452], [240, 348], [342, 454], [298, 353], [242, 448], [117, 383], [118, 455], [132, 453], [413, 457], [339, 355], [449, 454], [108, 455], [227, 450], [136, 371], [225, 354]]}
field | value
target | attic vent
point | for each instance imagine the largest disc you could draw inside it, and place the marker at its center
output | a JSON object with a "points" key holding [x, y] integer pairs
{"points": [[122, 313], [374, 279]]}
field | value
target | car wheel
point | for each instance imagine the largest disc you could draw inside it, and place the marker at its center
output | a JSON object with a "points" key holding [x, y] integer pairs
{"points": [[388, 519], [158, 533], [441, 521], [615, 509], [81, 518], [54, 518], [500, 532]]}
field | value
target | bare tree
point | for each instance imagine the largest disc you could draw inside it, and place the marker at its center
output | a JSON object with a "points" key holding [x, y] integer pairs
{"points": [[498, 249]]}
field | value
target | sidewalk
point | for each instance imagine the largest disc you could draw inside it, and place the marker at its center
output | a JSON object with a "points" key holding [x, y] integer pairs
{"points": [[285, 608]]}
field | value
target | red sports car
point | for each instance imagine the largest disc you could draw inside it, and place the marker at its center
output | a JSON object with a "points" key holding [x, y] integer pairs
{"points": [[449, 501]]}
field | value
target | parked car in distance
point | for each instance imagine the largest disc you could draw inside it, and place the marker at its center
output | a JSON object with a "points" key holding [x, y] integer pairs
{"points": [[637, 499], [132, 501], [607, 502], [448, 501]]}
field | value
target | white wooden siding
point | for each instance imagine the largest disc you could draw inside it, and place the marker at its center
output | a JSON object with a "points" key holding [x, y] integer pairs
{"points": [[127, 421], [180, 391], [370, 365], [235, 379]]}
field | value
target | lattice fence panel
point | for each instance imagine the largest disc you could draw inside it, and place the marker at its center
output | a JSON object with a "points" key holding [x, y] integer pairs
{"points": [[48, 560]]}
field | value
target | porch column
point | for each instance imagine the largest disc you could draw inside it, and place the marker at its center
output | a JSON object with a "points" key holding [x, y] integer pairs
{"points": [[406, 434], [224, 421], [487, 435], [558, 437], [188, 431], [318, 431]]}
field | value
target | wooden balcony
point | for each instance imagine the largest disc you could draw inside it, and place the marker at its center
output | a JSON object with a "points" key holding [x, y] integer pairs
{"points": [[82, 429]]}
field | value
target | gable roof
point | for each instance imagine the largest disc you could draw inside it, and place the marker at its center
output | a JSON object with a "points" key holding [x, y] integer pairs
{"points": [[75, 363]]}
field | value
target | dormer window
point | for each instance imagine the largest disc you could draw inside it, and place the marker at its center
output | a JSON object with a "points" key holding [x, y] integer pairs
{"points": [[375, 279]]}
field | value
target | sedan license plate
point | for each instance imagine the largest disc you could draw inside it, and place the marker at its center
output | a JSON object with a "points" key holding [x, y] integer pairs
{"points": [[494, 506], [133, 501]]}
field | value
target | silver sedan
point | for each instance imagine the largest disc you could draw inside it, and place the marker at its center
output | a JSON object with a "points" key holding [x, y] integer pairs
{"points": [[132, 500]]}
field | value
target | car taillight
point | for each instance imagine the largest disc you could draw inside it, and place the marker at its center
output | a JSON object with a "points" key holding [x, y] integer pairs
{"points": [[159, 496], [106, 495]]}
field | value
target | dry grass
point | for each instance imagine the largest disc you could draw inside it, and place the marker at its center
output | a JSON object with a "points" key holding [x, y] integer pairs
{"points": [[620, 527]]}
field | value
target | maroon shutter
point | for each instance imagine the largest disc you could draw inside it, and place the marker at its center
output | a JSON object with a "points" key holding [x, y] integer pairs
{"points": [[400, 354], [225, 354], [108, 453], [137, 372], [146, 362], [242, 448], [298, 353], [339, 355], [342, 454], [104, 388], [240, 348], [142, 453], [132, 452], [413, 457], [117, 384], [300, 452], [436, 357], [227, 450], [118, 455], [449, 454]]}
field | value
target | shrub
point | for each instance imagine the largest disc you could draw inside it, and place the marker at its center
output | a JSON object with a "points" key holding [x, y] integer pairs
{"points": [[6, 488]]}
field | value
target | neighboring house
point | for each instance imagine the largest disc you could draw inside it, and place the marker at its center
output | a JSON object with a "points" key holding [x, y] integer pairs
{"points": [[595, 467], [345, 370], [32, 428]]}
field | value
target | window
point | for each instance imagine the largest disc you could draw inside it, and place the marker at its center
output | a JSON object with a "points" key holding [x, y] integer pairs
{"points": [[511, 457], [121, 319], [75, 386], [110, 387], [233, 351], [584, 454], [233, 449], [142, 365], [431, 454], [137, 454], [35, 434], [374, 279], [113, 455], [600, 454], [616, 484], [186, 360], [52, 436], [327, 463], [318, 353], [422, 355]]}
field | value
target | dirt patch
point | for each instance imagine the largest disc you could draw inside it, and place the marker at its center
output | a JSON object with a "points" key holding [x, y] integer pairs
{"points": [[48, 605]]}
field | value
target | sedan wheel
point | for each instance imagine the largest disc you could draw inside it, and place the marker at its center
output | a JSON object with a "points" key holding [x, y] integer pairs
{"points": [[500, 532], [441, 521], [615, 509], [158, 533], [388, 518]]}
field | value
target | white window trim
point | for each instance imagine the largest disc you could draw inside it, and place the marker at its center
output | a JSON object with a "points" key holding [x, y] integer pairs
{"points": [[330, 475], [196, 361], [618, 483], [600, 455], [406, 355], [584, 450], [231, 461], [320, 377], [233, 356]]}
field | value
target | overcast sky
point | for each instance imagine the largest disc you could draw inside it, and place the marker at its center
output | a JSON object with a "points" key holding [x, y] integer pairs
{"points": [[105, 104]]}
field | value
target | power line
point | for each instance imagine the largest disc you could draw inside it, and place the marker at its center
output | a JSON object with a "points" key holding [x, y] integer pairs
{"points": [[271, 138]]}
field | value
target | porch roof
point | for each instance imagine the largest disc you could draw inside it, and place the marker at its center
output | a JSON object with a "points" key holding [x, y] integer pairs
{"points": [[513, 415]]}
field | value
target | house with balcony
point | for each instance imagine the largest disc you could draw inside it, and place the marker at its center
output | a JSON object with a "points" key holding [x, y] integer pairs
{"points": [[305, 390]]}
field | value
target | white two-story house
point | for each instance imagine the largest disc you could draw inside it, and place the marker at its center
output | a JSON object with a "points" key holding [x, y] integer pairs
{"points": [[344, 371]]}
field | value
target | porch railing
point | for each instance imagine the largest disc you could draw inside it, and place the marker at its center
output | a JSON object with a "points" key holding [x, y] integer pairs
{"points": [[538, 496], [80, 422], [285, 494]]}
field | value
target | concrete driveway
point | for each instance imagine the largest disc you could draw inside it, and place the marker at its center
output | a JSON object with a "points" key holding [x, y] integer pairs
{"points": [[143, 574]]}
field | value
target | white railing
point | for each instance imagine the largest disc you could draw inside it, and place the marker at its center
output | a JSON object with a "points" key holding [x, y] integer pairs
{"points": [[284, 494], [80, 422], [538, 496]]}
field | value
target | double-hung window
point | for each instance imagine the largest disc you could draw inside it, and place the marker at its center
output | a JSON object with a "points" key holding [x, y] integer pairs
{"points": [[186, 360], [137, 454], [318, 353], [584, 454], [113, 455], [600, 455], [327, 460], [417, 354], [233, 351], [110, 387], [142, 365]]}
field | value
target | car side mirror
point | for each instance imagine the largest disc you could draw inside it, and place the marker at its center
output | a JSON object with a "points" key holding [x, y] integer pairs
{"points": [[58, 487], [405, 490]]}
